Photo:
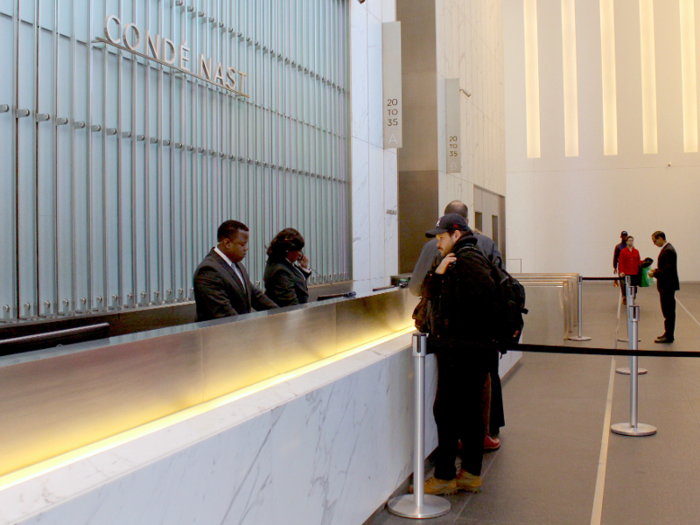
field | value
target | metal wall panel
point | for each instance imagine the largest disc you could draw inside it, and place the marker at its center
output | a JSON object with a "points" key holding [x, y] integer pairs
{"points": [[116, 169]]}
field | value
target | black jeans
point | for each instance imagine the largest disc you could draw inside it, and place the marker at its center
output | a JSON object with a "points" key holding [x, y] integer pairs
{"points": [[497, 419], [668, 309], [458, 409]]}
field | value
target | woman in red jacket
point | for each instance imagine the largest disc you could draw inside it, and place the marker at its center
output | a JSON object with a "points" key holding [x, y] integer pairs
{"points": [[628, 264]]}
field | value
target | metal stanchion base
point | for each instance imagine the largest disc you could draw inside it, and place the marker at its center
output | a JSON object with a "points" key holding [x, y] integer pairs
{"points": [[405, 506], [577, 338], [625, 371], [626, 429]]}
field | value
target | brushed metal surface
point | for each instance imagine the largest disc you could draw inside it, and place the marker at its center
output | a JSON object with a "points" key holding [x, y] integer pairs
{"points": [[545, 323], [379, 314], [236, 355], [53, 402], [51, 406]]}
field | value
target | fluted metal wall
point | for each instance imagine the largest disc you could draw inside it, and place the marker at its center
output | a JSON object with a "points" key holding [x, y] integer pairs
{"points": [[116, 170]]}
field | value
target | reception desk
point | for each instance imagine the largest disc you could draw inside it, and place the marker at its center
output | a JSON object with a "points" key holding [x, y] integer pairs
{"points": [[302, 415]]}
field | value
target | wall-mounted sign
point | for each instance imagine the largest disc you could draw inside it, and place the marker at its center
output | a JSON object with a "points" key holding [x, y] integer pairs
{"points": [[163, 51], [453, 129], [391, 70]]}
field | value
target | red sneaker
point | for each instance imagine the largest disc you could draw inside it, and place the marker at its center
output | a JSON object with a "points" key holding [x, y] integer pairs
{"points": [[491, 443]]}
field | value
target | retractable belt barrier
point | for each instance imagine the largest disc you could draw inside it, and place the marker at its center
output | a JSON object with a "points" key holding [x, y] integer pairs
{"points": [[420, 505]]}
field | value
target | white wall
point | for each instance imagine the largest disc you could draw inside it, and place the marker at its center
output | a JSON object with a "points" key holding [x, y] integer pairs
{"points": [[375, 242], [470, 47], [565, 214]]}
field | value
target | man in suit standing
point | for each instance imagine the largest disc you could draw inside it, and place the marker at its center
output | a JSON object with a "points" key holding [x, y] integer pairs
{"points": [[667, 283], [221, 284]]}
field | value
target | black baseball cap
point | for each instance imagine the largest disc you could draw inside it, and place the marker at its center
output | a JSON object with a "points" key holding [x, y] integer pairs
{"points": [[623, 234], [449, 222]]}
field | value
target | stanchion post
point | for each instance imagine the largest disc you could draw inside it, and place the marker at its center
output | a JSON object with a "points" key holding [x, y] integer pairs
{"points": [[580, 337], [634, 428], [419, 505], [629, 294]]}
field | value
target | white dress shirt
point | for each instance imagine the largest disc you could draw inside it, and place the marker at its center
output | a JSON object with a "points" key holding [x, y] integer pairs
{"points": [[235, 268]]}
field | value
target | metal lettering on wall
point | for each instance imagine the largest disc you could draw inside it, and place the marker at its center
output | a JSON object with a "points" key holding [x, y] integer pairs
{"points": [[133, 129]]}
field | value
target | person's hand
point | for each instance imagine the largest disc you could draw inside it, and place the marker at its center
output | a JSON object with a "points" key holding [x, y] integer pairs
{"points": [[651, 273], [442, 268], [304, 261], [622, 274]]}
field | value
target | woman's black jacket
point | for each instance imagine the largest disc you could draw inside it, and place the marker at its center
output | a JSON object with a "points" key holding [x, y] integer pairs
{"points": [[285, 283]]}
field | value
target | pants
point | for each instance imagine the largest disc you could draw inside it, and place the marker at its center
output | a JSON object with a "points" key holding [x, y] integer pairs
{"points": [[668, 309], [458, 410], [497, 415]]}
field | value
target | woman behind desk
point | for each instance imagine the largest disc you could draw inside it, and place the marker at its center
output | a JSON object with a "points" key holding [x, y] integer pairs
{"points": [[287, 269]]}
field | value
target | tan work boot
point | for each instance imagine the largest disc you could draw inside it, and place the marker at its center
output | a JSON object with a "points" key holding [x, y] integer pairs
{"points": [[438, 486], [468, 482]]}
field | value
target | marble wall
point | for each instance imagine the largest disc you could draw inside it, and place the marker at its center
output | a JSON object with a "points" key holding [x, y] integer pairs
{"points": [[449, 39], [470, 47], [374, 169]]}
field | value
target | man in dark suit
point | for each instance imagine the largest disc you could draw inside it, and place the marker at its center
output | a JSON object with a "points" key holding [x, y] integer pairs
{"points": [[667, 283], [221, 284]]}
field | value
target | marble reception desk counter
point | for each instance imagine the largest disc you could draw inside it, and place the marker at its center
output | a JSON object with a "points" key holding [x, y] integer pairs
{"points": [[302, 417], [58, 400]]}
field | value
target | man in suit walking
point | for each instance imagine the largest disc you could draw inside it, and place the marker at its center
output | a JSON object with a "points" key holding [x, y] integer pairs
{"points": [[221, 284], [667, 283]]}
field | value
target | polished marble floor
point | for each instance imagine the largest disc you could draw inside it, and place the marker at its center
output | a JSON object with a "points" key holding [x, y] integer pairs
{"points": [[547, 471]]}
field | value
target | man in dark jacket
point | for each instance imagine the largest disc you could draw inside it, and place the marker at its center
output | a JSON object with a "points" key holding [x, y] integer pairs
{"points": [[464, 298], [430, 257], [221, 284], [667, 283]]}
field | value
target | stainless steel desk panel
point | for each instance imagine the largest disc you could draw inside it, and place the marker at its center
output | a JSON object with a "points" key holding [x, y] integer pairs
{"points": [[236, 355], [545, 323], [51, 406], [377, 315]]}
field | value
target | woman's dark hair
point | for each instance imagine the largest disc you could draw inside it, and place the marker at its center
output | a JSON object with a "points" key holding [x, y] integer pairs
{"points": [[288, 240]]}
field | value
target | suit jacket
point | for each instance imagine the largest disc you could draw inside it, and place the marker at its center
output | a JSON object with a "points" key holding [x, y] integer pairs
{"points": [[430, 256], [218, 291], [285, 284], [667, 270]]}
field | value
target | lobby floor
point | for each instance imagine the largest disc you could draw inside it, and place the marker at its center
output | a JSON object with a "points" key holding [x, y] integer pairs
{"points": [[547, 470]]}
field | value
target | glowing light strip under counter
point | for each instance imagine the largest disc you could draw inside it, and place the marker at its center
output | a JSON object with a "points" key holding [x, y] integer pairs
{"points": [[688, 68], [607, 44], [55, 463], [532, 80]]}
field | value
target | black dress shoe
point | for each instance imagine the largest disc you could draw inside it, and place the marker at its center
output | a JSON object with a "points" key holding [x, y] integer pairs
{"points": [[664, 340]]}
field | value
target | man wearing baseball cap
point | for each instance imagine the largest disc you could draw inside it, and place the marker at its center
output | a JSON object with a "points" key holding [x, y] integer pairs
{"points": [[616, 258], [463, 295]]}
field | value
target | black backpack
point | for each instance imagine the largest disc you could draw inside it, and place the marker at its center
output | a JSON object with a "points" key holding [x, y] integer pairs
{"points": [[511, 305]]}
